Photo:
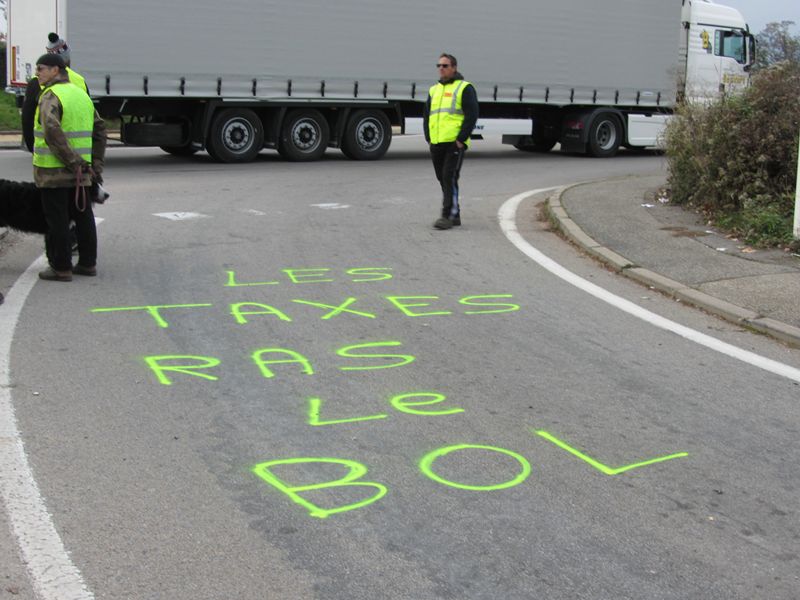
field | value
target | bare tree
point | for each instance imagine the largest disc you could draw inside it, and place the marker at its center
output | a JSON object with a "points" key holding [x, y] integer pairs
{"points": [[776, 44], [4, 23]]}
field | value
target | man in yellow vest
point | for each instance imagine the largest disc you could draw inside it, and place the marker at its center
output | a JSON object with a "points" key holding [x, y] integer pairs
{"points": [[450, 115], [55, 45], [69, 149]]}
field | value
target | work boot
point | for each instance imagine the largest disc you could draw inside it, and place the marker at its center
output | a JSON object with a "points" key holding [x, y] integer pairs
{"points": [[456, 220], [50, 274], [79, 269], [443, 223]]}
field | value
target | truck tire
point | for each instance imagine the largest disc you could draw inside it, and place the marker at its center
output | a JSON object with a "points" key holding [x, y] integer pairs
{"points": [[367, 135], [236, 135], [186, 150], [605, 135], [304, 136]]}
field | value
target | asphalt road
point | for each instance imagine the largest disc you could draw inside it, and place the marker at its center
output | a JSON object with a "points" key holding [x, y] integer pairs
{"points": [[336, 401]]}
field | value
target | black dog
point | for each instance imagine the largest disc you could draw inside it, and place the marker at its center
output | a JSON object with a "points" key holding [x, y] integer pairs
{"points": [[21, 207]]}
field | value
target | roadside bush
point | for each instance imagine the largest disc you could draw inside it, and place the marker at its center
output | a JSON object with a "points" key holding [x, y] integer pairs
{"points": [[9, 113], [736, 159]]}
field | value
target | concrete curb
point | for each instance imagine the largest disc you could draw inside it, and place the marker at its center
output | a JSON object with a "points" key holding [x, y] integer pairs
{"points": [[675, 289]]}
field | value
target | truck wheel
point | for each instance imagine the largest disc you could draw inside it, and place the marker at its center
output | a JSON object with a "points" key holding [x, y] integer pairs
{"points": [[538, 146], [304, 136], [605, 136], [367, 135], [237, 135], [187, 150]]}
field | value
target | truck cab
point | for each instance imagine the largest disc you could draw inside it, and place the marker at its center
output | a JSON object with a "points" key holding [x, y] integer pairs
{"points": [[719, 50], [716, 53]]}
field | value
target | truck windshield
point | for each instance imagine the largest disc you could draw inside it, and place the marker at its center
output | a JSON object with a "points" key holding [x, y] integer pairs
{"points": [[731, 44]]}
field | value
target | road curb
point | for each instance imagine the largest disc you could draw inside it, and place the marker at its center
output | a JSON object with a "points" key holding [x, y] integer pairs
{"points": [[730, 312]]}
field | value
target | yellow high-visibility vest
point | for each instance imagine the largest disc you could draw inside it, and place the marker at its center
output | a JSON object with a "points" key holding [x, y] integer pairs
{"points": [[446, 116], [77, 79], [77, 123]]}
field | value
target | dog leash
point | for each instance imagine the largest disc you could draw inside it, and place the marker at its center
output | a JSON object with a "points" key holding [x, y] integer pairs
{"points": [[80, 191]]}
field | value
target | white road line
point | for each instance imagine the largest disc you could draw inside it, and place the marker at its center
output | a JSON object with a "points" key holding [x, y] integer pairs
{"points": [[52, 573], [507, 217]]}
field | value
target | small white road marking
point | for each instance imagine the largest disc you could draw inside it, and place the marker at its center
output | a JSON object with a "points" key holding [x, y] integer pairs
{"points": [[180, 216], [507, 217], [330, 205]]}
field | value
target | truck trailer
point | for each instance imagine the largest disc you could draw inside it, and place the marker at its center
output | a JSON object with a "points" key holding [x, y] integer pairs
{"points": [[235, 77]]}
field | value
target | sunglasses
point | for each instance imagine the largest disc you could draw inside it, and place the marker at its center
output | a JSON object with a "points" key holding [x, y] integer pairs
{"points": [[443, 66]]}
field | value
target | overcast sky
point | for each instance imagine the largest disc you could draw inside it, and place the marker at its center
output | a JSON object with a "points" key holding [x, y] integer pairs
{"points": [[758, 13]]}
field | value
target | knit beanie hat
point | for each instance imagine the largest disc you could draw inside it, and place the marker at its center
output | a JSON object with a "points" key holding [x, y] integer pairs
{"points": [[52, 60], [56, 45]]}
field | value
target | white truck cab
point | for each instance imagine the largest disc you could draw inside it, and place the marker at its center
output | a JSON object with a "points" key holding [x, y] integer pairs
{"points": [[720, 50], [717, 53]]}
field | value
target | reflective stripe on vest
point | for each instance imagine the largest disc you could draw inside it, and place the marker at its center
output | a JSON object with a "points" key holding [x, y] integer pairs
{"points": [[77, 122], [446, 115]]}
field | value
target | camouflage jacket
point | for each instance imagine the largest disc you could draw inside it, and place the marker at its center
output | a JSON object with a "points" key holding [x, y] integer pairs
{"points": [[50, 113]]}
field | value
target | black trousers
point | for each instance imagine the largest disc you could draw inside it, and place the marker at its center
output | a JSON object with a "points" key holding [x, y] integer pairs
{"points": [[59, 207], [447, 159]]}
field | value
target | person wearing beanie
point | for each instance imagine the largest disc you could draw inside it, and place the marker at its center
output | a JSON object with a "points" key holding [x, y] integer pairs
{"points": [[50, 60], [57, 46], [68, 153]]}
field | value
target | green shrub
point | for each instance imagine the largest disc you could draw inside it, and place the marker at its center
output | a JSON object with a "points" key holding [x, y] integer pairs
{"points": [[736, 158], [9, 113]]}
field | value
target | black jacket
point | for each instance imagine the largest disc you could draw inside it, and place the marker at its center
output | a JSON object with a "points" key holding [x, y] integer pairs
{"points": [[469, 104], [29, 111]]}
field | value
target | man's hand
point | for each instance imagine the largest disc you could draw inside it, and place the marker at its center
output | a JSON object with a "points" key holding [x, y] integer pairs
{"points": [[459, 145]]}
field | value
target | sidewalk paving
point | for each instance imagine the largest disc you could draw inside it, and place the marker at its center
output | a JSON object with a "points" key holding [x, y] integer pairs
{"points": [[10, 139], [623, 223]]}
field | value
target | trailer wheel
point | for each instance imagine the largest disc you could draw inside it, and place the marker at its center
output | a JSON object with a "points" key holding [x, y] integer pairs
{"points": [[605, 136], [304, 136], [237, 135], [367, 135]]}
